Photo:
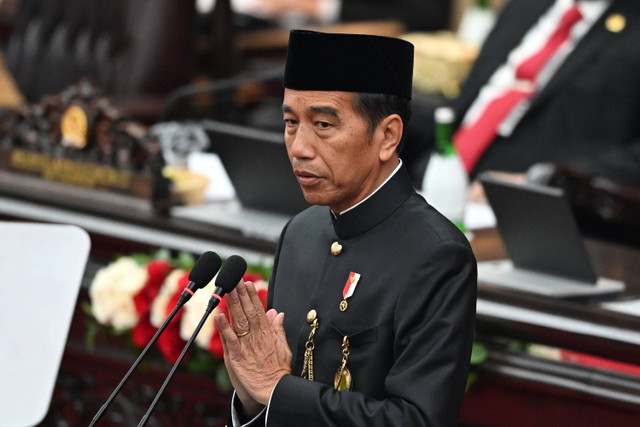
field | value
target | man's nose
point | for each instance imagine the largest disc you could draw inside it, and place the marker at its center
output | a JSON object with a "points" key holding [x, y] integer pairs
{"points": [[301, 145]]}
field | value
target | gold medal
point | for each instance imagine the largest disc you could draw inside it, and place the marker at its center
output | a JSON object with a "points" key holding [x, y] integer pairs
{"points": [[343, 305], [342, 379]]}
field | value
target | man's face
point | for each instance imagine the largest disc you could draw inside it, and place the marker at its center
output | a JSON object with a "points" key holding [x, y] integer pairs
{"points": [[336, 161]]}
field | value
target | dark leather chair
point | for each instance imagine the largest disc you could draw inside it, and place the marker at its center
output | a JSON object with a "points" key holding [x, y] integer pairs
{"points": [[131, 49]]}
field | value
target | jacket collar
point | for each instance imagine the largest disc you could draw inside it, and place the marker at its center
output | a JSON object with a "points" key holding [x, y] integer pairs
{"points": [[375, 209]]}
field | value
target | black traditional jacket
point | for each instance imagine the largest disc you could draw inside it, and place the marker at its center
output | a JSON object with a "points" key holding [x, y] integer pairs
{"points": [[409, 321]]}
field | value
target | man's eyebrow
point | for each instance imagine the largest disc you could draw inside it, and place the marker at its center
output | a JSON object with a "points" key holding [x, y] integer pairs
{"points": [[329, 111]]}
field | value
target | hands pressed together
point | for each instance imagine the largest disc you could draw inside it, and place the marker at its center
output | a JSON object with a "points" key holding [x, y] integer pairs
{"points": [[256, 353]]}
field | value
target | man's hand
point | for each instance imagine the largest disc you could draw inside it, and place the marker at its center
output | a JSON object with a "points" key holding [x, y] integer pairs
{"points": [[256, 353]]}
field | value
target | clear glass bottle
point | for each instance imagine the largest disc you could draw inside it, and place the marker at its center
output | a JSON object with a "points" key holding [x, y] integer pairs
{"points": [[446, 183], [476, 22]]}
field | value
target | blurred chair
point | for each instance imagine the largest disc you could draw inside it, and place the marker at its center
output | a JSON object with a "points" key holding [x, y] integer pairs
{"points": [[133, 49], [604, 208]]}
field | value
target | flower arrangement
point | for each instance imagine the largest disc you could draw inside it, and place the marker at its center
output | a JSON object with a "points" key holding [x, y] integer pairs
{"points": [[135, 294]]}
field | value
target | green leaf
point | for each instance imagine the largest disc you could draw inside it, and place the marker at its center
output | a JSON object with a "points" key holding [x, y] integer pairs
{"points": [[201, 361], [222, 379], [479, 353], [264, 270], [86, 308], [90, 335], [517, 346], [472, 378], [162, 253], [185, 261], [141, 259]]}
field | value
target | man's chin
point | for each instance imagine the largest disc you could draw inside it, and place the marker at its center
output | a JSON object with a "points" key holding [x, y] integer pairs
{"points": [[315, 198]]}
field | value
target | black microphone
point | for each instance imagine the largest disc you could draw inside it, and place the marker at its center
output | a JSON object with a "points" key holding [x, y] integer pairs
{"points": [[200, 275], [230, 274]]}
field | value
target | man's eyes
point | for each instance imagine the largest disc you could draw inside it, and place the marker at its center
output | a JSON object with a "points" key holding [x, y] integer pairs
{"points": [[320, 124]]}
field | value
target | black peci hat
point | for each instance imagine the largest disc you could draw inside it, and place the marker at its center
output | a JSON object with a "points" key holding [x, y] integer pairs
{"points": [[349, 62]]}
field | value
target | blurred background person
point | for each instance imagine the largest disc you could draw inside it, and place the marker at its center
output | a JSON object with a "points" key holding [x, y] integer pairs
{"points": [[555, 81]]}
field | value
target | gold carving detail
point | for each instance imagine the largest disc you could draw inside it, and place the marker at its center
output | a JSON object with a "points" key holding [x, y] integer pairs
{"points": [[69, 171], [75, 127]]}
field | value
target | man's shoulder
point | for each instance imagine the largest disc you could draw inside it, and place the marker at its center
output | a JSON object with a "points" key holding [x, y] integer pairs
{"points": [[424, 222], [312, 213], [309, 219]]}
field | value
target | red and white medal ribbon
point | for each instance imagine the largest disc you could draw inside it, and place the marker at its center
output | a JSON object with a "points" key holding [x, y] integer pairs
{"points": [[349, 289]]}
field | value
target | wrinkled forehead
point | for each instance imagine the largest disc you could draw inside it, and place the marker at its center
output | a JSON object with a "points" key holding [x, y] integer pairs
{"points": [[327, 102]]}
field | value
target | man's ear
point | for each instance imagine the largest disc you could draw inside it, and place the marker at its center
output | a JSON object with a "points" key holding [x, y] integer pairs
{"points": [[390, 131]]}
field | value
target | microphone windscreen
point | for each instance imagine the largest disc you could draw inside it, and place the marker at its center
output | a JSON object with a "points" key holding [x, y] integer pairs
{"points": [[205, 268], [232, 271]]}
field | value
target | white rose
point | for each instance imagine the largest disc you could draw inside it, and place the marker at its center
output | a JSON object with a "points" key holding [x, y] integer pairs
{"points": [[161, 303], [112, 292], [193, 313]]}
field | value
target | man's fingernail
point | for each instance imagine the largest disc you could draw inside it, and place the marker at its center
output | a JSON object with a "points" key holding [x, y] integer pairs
{"points": [[240, 285], [233, 294]]}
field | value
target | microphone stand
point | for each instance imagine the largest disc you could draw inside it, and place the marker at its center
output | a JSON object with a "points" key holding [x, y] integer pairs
{"points": [[213, 302], [213, 87], [115, 392]]}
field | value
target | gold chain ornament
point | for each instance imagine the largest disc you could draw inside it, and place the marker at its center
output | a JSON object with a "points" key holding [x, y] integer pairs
{"points": [[307, 370]]}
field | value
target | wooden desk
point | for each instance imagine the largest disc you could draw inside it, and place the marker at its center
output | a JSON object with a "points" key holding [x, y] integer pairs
{"points": [[515, 388], [576, 325]]}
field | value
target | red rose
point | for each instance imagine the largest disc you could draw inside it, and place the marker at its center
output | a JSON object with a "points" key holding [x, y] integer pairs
{"points": [[170, 343], [252, 276], [143, 332], [157, 271], [262, 293], [215, 344], [262, 288]]}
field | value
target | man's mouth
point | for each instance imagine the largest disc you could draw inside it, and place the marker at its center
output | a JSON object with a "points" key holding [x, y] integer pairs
{"points": [[306, 178]]}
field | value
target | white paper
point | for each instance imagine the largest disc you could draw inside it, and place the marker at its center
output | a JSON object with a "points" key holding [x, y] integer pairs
{"points": [[478, 215], [209, 164]]}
